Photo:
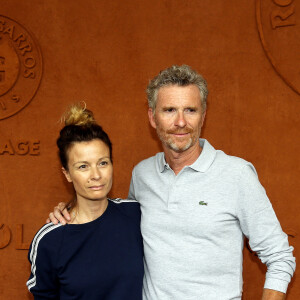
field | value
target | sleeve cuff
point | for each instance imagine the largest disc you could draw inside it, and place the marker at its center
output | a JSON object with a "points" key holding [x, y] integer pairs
{"points": [[276, 284]]}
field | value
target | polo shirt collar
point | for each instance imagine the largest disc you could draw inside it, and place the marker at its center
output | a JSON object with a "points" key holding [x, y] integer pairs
{"points": [[206, 157], [203, 162], [162, 164]]}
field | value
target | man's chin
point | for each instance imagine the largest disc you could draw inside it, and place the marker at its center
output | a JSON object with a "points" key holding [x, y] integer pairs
{"points": [[179, 148]]}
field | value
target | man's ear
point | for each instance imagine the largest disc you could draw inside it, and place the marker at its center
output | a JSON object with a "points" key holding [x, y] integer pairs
{"points": [[151, 118], [203, 118], [67, 174]]}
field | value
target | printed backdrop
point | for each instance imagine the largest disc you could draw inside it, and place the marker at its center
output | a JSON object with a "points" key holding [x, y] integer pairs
{"points": [[54, 53]]}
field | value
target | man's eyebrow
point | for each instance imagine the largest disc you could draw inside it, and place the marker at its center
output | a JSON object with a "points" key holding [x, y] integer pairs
{"points": [[192, 107], [168, 107]]}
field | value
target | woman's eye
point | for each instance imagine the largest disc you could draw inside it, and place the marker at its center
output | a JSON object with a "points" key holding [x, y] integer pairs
{"points": [[82, 167], [103, 163]]}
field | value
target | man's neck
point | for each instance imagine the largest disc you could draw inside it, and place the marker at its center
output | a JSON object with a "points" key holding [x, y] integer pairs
{"points": [[178, 160]]}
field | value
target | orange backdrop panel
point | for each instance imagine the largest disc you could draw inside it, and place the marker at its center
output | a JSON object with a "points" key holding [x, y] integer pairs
{"points": [[105, 52]]}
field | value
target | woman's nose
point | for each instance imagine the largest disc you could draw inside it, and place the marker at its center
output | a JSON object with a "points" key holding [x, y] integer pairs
{"points": [[96, 174]]}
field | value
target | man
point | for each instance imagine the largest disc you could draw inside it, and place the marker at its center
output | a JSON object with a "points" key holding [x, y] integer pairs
{"points": [[198, 204]]}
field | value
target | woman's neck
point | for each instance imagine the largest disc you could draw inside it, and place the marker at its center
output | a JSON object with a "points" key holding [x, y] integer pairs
{"points": [[87, 210]]}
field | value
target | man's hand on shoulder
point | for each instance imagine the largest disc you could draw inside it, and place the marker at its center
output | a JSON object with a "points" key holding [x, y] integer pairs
{"points": [[272, 295], [59, 214]]}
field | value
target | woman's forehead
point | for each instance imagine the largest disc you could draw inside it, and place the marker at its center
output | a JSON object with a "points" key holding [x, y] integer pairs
{"points": [[94, 149]]}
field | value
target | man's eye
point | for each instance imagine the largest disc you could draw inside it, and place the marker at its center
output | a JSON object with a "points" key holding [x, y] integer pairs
{"points": [[103, 163], [191, 109], [170, 109]]}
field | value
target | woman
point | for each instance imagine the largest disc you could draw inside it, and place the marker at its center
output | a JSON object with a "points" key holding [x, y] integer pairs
{"points": [[99, 253]]}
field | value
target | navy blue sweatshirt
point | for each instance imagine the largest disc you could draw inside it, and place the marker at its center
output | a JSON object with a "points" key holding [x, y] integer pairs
{"points": [[102, 259]]}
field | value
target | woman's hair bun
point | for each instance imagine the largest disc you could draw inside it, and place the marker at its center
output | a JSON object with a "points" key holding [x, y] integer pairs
{"points": [[79, 115]]}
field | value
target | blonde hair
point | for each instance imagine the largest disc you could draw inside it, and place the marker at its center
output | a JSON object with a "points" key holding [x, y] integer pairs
{"points": [[78, 115]]}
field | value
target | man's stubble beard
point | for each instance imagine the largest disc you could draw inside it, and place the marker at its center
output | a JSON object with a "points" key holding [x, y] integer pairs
{"points": [[169, 143]]}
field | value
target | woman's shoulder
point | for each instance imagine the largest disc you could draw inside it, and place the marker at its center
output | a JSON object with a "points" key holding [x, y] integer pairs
{"points": [[129, 207], [46, 240], [48, 230], [47, 233], [128, 202]]}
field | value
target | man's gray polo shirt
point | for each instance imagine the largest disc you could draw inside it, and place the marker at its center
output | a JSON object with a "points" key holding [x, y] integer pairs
{"points": [[193, 227]]}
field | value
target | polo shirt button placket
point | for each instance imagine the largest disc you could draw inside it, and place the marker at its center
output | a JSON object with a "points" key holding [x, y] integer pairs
{"points": [[172, 200]]}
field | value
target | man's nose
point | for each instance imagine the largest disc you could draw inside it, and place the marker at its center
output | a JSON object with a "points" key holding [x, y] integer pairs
{"points": [[180, 120]]}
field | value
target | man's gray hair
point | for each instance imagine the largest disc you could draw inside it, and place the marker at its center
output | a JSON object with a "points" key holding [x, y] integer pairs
{"points": [[176, 75]]}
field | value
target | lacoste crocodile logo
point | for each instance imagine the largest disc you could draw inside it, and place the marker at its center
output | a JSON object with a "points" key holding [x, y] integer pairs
{"points": [[202, 203]]}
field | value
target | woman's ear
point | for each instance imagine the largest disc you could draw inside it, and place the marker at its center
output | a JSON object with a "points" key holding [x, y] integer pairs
{"points": [[67, 174]]}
